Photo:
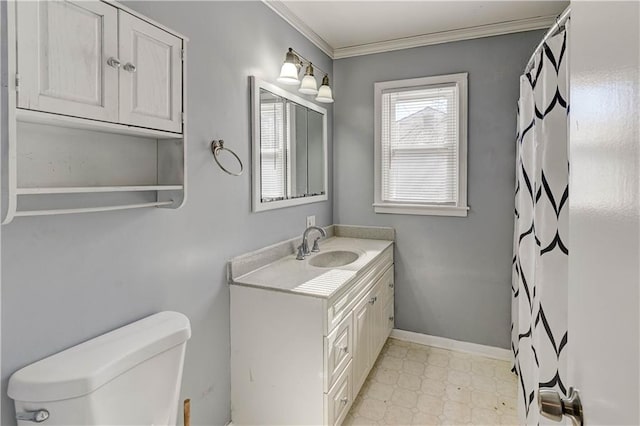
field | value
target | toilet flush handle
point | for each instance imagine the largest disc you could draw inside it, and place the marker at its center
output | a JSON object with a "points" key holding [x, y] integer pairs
{"points": [[37, 416]]}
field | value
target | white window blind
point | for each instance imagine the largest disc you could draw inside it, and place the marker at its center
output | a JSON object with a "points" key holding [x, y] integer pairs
{"points": [[421, 152], [272, 150], [420, 145]]}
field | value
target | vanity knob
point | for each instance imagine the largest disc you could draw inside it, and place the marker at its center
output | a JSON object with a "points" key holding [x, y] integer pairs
{"points": [[129, 67], [344, 400], [344, 349], [373, 300], [113, 62], [391, 318], [391, 285]]}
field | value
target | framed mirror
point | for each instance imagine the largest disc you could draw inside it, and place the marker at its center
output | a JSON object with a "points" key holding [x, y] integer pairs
{"points": [[289, 148]]}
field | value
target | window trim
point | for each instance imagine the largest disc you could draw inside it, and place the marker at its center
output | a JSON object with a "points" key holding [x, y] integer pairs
{"points": [[460, 208]]}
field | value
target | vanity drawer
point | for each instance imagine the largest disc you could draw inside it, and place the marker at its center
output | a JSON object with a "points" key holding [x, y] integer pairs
{"points": [[338, 400], [340, 307], [337, 349]]}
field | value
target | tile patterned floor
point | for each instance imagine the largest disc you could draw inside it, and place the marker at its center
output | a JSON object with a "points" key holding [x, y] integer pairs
{"points": [[413, 384]]}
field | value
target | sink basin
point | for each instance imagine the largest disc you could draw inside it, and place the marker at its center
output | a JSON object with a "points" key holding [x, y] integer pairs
{"points": [[333, 259]]}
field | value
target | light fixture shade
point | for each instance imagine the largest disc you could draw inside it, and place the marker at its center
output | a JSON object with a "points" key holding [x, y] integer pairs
{"points": [[309, 85], [289, 74], [324, 93]]}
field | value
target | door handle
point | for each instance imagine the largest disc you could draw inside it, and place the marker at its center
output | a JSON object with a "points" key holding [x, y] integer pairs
{"points": [[554, 407], [129, 67], [113, 62]]}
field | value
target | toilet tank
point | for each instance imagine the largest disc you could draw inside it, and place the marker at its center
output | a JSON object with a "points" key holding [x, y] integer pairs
{"points": [[129, 376]]}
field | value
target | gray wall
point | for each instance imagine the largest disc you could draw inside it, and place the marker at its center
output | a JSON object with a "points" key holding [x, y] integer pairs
{"points": [[66, 279], [453, 275]]}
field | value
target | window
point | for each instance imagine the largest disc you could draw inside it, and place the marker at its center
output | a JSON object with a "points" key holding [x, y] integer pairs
{"points": [[421, 146]]}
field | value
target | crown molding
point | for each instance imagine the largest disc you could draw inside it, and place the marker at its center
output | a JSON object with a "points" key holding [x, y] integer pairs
{"points": [[285, 13], [509, 27], [529, 24]]}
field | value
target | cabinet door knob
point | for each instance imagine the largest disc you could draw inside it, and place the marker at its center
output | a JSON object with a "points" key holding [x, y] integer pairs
{"points": [[391, 318], [113, 62], [129, 67], [344, 400], [390, 285], [344, 349], [373, 300]]}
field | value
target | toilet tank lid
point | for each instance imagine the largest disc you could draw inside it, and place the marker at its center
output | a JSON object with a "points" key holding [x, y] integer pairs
{"points": [[84, 368]]}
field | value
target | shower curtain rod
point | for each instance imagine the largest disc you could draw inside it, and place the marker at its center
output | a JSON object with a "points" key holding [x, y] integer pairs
{"points": [[560, 20]]}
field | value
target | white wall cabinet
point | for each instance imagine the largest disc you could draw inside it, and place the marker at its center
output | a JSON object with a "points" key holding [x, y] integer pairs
{"points": [[92, 60], [63, 53], [151, 75], [298, 359], [95, 110]]}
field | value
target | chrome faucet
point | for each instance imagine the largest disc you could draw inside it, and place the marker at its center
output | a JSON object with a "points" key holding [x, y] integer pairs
{"points": [[303, 249]]}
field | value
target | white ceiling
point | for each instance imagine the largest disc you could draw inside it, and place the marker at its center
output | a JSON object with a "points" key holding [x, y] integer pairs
{"points": [[348, 26]]}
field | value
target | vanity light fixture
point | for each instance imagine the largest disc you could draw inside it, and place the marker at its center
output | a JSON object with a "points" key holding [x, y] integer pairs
{"points": [[309, 85], [290, 70], [324, 93]]}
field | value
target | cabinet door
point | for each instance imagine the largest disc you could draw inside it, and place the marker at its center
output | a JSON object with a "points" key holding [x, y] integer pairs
{"points": [[151, 75], [63, 53], [379, 319], [382, 296], [389, 320], [361, 341]]}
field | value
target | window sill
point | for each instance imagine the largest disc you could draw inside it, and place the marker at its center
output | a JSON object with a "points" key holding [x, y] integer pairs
{"points": [[425, 210]]}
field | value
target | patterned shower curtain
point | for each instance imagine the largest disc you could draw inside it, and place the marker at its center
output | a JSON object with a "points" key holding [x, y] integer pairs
{"points": [[540, 262]]}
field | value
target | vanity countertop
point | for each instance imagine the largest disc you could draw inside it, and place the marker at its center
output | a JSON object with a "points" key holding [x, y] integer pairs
{"points": [[299, 276]]}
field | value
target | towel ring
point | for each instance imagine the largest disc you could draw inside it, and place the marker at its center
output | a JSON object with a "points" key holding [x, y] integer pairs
{"points": [[216, 147]]}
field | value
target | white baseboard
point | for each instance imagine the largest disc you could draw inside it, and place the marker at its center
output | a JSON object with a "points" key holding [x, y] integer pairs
{"points": [[456, 345]]}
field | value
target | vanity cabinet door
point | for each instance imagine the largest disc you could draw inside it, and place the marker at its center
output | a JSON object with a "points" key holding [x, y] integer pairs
{"points": [[362, 350], [379, 320], [382, 296], [64, 49], [151, 76], [389, 319]]}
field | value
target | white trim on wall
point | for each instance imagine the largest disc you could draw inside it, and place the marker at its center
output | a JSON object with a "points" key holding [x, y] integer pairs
{"points": [[456, 345], [519, 25], [426, 207], [285, 13]]}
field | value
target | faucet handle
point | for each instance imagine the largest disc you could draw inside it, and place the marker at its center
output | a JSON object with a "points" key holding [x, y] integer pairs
{"points": [[316, 246], [300, 255]]}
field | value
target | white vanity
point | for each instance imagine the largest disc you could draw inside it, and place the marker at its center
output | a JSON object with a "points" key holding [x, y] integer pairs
{"points": [[304, 337]]}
